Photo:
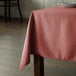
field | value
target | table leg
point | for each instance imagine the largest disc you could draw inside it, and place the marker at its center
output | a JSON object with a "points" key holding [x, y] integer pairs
{"points": [[38, 66]]}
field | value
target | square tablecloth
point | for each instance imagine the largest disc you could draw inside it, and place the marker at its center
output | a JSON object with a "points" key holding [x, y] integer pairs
{"points": [[51, 33]]}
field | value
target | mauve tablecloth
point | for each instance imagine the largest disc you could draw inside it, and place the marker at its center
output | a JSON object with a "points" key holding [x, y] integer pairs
{"points": [[51, 33]]}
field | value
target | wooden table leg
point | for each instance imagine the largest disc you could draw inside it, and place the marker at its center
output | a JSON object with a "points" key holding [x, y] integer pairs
{"points": [[38, 66]]}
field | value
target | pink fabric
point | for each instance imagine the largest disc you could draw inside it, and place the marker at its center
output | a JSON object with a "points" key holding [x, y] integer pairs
{"points": [[51, 33]]}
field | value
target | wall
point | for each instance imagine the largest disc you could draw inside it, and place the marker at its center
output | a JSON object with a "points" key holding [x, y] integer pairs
{"points": [[36, 4], [28, 5]]}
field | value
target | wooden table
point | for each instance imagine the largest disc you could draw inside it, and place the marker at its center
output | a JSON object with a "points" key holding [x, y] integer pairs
{"points": [[38, 66], [51, 33]]}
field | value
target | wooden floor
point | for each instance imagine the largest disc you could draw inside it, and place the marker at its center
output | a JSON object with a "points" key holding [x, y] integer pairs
{"points": [[11, 42], [12, 36]]}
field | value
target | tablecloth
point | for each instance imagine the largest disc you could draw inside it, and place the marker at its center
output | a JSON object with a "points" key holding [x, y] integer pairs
{"points": [[51, 33]]}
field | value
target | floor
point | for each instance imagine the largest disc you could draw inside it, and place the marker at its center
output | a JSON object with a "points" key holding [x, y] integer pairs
{"points": [[12, 36]]}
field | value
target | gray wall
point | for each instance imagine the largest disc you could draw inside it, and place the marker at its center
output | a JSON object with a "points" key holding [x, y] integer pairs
{"points": [[28, 5]]}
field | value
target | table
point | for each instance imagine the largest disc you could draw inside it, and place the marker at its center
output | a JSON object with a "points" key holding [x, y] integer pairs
{"points": [[51, 33]]}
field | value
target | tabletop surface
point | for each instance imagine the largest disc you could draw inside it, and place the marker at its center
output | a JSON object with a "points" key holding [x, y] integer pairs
{"points": [[51, 33]]}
